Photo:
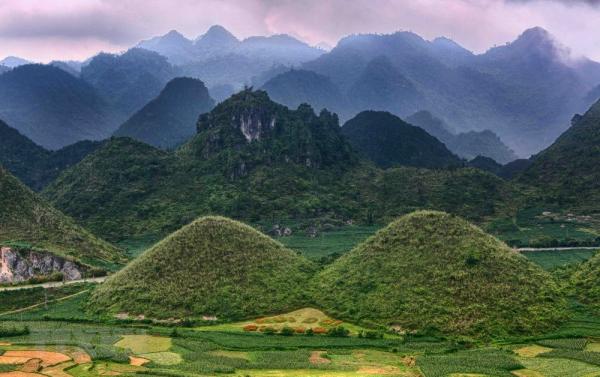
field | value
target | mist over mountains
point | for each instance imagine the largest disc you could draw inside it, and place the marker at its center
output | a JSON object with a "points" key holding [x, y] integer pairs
{"points": [[511, 101]]}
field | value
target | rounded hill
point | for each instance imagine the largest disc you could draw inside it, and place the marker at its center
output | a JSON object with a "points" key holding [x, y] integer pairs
{"points": [[215, 267], [434, 272]]}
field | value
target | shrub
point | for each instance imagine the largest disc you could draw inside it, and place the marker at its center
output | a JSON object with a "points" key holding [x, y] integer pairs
{"points": [[287, 331], [269, 330], [14, 330], [339, 331], [310, 332]]}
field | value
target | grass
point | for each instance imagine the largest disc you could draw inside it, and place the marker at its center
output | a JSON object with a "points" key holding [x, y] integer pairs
{"points": [[551, 259], [163, 358], [188, 273], [490, 362], [559, 367], [433, 272], [338, 241], [29, 220], [17, 299], [142, 344]]}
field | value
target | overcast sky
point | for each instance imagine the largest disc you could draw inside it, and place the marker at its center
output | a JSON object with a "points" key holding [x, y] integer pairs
{"points": [[43, 30]]}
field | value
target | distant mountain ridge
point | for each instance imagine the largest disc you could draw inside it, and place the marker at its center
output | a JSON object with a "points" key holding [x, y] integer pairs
{"points": [[467, 145], [219, 58], [525, 92]]}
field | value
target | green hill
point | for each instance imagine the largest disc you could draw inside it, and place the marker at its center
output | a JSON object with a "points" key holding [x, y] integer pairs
{"points": [[567, 171], [214, 266], [388, 140], [432, 271], [27, 219], [257, 161], [170, 119]]}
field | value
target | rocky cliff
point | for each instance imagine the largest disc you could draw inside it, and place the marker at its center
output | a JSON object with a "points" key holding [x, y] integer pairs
{"points": [[21, 265]]}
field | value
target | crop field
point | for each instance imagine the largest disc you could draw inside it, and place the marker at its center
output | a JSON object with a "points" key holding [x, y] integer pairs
{"points": [[539, 227], [551, 259], [337, 241], [63, 340]]}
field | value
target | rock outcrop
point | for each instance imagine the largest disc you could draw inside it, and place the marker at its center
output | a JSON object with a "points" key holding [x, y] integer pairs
{"points": [[21, 265]]}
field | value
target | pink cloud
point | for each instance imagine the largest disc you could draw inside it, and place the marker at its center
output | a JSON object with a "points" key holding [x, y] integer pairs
{"points": [[75, 29]]}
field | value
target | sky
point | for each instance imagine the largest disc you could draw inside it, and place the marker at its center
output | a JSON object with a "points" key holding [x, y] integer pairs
{"points": [[45, 30]]}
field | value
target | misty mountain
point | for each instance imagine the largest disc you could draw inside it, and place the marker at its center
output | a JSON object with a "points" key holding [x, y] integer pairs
{"points": [[130, 80], [170, 119], [468, 145], [219, 58], [524, 91], [300, 86], [381, 87], [52, 107], [13, 61]]}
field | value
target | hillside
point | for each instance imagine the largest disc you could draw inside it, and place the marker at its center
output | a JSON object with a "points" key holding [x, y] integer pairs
{"points": [[51, 107], [585, 280], [27, 219], [430, 271], [567, 171], [388, 141], [169, 119], [189, 273], [34, 165], [257, 161]]}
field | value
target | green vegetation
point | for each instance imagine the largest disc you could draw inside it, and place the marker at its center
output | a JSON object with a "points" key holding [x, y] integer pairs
{"points": [[552, 259], [16, 299], [567, 171], [389, 141], [587, 284], [29, 221], [490, 362], [34, 165], [301, 170], [188, 273], [431, 271]]}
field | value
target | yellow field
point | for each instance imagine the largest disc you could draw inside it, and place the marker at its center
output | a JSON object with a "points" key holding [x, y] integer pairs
{"points": [[142, 344], [532, 351], [163, 358]]}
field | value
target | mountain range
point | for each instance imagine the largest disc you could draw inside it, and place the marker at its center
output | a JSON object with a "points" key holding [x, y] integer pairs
{"points": [[256, 160], [524, 92]]}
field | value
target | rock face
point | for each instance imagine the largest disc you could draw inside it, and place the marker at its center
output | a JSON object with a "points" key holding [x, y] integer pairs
{"points": [[22, 265]]}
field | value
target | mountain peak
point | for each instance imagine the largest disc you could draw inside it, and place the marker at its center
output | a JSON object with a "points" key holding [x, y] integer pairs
{"points": [[217, 34]]}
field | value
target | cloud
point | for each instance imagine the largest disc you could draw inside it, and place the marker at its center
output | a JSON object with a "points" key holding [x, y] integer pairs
{"points": [[75, 29]]}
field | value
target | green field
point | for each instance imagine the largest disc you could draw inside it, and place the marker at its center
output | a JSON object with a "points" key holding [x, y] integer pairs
{"points": [[551, 259], [338, 241]]}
